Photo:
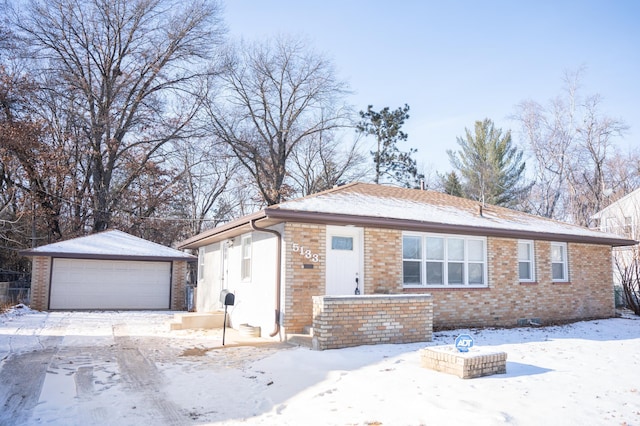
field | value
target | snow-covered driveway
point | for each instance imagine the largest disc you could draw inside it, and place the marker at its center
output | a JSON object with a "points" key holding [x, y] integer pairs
{"points": [[95, 368], [127, 368]]}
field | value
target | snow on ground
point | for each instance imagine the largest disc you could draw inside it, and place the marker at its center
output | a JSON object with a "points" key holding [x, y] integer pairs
{"points": [[128, 368]]}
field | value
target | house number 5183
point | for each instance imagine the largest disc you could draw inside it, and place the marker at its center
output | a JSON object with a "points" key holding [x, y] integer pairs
{"points": [[297, 248]]}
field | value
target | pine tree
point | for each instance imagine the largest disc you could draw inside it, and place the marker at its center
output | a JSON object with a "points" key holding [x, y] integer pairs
{"points": [[490, 166], [390, 163], [451, 184]]}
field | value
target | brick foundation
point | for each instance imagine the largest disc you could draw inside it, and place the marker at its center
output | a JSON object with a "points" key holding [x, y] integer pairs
{"points": [[343, 321], [466, 365]]}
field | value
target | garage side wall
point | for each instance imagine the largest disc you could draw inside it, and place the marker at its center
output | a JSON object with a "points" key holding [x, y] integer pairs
{"points": [[40, 282]]}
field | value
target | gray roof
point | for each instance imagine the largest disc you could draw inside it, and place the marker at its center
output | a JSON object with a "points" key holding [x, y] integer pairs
{"points": [[112, 244]]}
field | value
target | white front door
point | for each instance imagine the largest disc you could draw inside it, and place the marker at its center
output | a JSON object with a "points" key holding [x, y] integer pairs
{"points": [[344, 260]]}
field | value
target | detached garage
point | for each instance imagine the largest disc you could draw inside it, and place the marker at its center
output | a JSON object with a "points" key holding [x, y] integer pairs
{"points": [[110, 270]]}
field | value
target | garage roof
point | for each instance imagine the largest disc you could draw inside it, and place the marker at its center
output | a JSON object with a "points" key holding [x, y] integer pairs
{"points": [[112, 244]]}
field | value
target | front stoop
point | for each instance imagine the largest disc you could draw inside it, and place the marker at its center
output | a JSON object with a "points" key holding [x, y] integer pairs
{"points": [[195, 320], [478, 362], [302, 339]]}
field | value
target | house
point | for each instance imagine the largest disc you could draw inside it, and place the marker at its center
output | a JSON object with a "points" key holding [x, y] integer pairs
{"points": [[480, 265], [622, 217], [108, 270]]}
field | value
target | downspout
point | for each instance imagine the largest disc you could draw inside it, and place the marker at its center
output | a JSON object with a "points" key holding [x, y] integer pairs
{"points": [[278, 272]]}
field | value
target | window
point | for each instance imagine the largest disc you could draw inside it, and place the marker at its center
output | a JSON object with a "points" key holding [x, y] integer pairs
{"points": [[438, 260], [628, 227], [610, 224], [201, 263], [245, 270], [341, 243], [526, 265], [412, 260], [559, 263]]}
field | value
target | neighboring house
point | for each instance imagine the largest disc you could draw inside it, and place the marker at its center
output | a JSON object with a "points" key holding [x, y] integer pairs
{"points": [[622, 217], [482, 265], [108, 270]]}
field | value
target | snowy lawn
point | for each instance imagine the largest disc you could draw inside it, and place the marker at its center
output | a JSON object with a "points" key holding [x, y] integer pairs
{"points": [[127, 368]]}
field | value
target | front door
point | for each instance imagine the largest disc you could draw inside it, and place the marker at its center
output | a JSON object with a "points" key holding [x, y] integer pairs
{"points": [[344, 260]]}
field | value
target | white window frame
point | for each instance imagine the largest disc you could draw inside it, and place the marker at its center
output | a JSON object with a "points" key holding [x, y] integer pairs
{"points": [[445, 261], [531, 261], [564, 262], [246, 257], [628, 227], [201, 263]]}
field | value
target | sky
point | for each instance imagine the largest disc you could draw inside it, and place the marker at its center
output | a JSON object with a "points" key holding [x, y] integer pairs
{"points": [[456, 62], [127, 368]]}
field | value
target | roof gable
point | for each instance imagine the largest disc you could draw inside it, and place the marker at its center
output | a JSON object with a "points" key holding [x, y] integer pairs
{"points": [[630, 203], [112, 244]]}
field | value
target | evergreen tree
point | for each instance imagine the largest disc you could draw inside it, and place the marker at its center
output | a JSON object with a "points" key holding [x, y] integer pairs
{"points": [[451, 184], [390, 163], [490, 166]]}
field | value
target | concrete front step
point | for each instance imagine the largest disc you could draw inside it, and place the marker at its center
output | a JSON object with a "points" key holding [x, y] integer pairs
{"points": [[300, 340], [192, 320]]}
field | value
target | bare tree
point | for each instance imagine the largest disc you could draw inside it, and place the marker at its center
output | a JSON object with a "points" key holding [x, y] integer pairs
{"points": [[208, 171], [627, 267], [571, 144], [321, 163], [589, 180], [548, 147], [276, 95], [127, 68]]}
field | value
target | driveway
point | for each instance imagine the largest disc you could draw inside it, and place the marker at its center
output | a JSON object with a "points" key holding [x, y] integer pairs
{"points": [[105, 367]]}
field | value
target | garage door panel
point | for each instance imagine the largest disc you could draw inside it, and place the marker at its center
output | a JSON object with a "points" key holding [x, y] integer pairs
{"points": [[102, 284]]}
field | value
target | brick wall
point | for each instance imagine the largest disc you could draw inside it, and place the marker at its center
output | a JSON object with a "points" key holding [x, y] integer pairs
{"points": [[343, 321], [302, 283], [382, 261], [505, 302], [178, 285], [40, 280]]}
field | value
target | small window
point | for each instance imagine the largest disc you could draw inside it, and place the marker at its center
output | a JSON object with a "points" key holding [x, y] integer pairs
{"points": [[411, 259], [610, 224], [201, 263], [628, 226], [245, 272], [559, 262], [342, 243], [526, 264]]}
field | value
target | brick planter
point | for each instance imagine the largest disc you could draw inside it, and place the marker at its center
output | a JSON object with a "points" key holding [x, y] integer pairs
{"points": [[477, 362], [343, 321]]}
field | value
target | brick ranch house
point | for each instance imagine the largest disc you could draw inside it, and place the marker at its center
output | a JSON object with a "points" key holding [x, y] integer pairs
{"points": [[481, 265]]}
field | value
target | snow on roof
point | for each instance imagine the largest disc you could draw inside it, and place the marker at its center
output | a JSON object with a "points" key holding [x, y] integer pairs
{"points": [[431, 211], [111, 243], [430, 206]]}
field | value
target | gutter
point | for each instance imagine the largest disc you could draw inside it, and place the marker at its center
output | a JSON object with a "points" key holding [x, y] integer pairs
{"points": [[252, 222]]}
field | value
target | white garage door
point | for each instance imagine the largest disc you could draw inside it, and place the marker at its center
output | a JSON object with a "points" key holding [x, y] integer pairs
{"points": [[110, 284]]}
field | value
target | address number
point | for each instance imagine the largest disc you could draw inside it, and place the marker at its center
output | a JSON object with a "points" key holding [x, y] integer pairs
{"points": [[305, 252]]}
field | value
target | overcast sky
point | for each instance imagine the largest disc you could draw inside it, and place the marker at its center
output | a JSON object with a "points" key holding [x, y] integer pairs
{"points": [[455, 62]]}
